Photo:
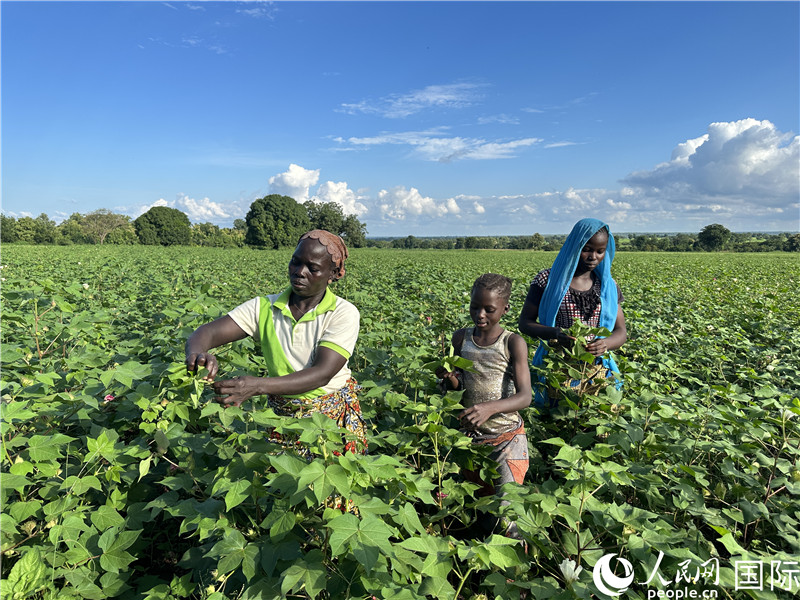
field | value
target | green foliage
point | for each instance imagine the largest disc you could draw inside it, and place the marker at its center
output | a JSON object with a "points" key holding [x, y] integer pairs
{"points": [[8, 229], [276, 221], [713, 237], [163, 226], [122, 478]]}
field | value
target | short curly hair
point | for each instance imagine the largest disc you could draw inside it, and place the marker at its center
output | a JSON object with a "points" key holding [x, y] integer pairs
{"points": [[499, 284]]}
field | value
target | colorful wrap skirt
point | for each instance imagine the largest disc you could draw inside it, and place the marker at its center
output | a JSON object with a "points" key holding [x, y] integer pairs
{"points": [[341, 405], [510, 452]]}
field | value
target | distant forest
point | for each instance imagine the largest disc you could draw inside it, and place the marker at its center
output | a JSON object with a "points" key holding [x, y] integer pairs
{"points": [[278, 221]]}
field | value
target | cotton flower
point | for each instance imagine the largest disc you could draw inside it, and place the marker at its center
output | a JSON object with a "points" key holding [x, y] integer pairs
{"points": [[108, 399], [86, 286], [570, 570]]}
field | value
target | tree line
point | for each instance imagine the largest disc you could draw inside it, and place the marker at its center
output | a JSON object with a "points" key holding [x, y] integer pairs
{"points": [[712, 238], [277, 221], [273, 221]]}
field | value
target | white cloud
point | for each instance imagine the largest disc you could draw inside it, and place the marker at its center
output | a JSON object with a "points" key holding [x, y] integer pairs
{"points": [[618, 205], [201, 210], [399, 202], [747, 161], [501, 119], [261, 10], [479, 207], [294, 183], [432, 145], [454, 95], [560, 144], [342, 195]]}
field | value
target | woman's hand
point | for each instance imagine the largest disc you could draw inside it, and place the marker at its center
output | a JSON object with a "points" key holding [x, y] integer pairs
{"points": [[597, 347], [232, 392], [203, 359], [562, 338]]}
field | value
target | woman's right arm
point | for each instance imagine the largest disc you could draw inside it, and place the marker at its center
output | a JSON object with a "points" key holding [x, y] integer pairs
{"points": [[211, 335], [530, 326]]}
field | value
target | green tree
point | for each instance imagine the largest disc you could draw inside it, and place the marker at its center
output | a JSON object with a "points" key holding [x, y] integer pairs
{"points": [[8, 229], [99, 223], [123, 236], [713, 237], [354, 232], [682, 242], [275, 221], [71, 230], [45, 231], [792, 243], [26, 230], [326, 215], [165, 226]]}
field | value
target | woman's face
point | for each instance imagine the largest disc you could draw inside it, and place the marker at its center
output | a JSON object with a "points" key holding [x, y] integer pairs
{"points": [[593, 252], [311, 268]]}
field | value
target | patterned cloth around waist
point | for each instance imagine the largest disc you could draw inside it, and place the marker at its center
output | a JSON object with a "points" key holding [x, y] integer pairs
{"points": [[510, 453], [342, 406]]}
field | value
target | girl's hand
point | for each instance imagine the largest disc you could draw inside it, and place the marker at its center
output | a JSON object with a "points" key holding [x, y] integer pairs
{"points": [[232, 392], [597, 347], [203, 359], [448, 377], [477, 415]]}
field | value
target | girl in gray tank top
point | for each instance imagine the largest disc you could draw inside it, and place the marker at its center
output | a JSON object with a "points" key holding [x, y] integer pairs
{"points": [[499, 387]]}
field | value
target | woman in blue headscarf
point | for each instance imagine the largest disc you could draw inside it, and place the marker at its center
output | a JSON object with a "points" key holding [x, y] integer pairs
{"points": [[578, 286]]}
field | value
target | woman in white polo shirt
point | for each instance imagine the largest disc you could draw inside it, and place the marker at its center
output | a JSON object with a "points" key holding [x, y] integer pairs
{"points": [[306, 334]]}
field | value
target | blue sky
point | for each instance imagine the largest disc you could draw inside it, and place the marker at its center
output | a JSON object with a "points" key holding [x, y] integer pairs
{"points": [[423, 118]]}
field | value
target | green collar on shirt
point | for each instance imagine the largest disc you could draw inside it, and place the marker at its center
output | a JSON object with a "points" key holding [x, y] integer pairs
{"points": [[328, 303]]}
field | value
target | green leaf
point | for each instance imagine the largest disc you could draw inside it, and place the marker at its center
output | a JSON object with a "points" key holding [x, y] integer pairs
{"points": [[106, 517], [47, 447], [282, 525], [344, 529], [27, 576], [238, 493], [144, 467], [113, 543]]}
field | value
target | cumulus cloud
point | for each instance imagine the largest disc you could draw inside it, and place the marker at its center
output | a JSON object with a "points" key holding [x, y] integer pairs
{"points": [[198, 210], [201, 210], [748, 160], [398, 203], [341, 195], [432, 145], [294, 183], [478, 208], [454, 95]]}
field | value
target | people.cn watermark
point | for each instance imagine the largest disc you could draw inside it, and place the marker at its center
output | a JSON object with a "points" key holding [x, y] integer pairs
{"points": [[613, 576]]}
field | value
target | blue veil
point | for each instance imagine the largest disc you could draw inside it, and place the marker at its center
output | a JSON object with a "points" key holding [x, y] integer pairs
{"points": [[561, 274]]}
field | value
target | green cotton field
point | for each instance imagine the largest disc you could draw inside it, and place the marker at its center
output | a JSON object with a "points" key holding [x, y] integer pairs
{"points": [[122, 478]]}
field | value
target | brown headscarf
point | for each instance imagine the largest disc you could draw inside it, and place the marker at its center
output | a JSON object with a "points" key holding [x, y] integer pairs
{"points": [[333, 244]]}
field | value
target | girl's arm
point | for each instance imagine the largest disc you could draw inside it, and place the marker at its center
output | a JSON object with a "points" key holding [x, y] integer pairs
{"points": [[619, 336], [480, 413]]}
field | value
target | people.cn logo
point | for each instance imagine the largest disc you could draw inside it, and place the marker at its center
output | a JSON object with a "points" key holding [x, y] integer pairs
{"points": [[606, 581]]}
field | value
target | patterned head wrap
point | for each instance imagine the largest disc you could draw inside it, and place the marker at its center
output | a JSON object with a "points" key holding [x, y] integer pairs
{"points": [[333, 244]]}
